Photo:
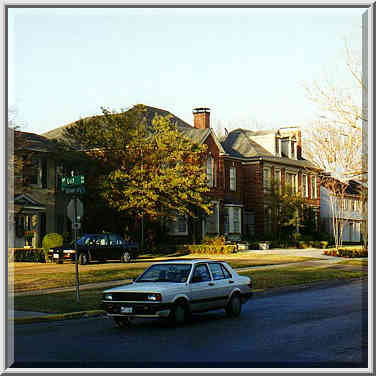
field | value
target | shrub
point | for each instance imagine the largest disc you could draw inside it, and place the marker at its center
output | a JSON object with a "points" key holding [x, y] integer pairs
{"points": [[50, 241], [26, 255], [347, 252], [214, 240], [211, 249]]}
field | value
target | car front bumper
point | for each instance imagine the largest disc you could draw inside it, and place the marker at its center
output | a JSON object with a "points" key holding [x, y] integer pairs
{"points": [[144, 309]]}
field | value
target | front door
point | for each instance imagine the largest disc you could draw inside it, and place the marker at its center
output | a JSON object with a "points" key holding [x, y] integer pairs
{"points": [[201, 289]]}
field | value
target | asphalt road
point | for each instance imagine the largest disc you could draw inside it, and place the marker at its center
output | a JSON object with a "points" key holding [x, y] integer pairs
{"points": [[316, 327]]}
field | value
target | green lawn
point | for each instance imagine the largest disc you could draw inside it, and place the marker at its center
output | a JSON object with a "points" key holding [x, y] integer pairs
{"points": [[34, 276], [262, 279]]}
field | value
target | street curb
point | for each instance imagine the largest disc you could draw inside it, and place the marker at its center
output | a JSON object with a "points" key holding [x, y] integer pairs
{"points": [[57, 317], [256, 294]]}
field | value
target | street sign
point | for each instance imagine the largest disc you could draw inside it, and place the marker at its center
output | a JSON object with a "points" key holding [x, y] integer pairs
{"points": [[70, 209], [75, 190], [72, 181]]}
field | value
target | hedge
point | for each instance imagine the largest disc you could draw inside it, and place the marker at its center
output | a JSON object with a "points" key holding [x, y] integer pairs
{"points": [[347, 252], [26, 255], [211, 249], [312, 244]]}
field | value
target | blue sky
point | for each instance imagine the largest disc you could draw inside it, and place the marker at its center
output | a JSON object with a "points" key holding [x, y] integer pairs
{"points": [[245, 64]]}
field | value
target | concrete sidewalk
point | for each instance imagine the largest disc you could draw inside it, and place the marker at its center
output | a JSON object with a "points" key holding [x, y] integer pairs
{"points": [[324, 261]]}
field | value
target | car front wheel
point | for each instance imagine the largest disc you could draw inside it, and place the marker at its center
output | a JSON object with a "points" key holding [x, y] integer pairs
{"points": [[234, 306], [126, 257], [180, 313]]}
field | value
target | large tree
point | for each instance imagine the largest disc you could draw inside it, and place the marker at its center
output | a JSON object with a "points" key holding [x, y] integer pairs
{"points": [[337, 139], [144, 169]]}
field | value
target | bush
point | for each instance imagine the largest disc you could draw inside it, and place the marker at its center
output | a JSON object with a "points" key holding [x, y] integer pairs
{"points": [[50, 241], [211, 249], [26, 255], [347, 252], [214, 240]]}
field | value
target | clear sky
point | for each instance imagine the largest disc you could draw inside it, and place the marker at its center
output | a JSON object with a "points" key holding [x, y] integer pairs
{"points": [[245, 64]]}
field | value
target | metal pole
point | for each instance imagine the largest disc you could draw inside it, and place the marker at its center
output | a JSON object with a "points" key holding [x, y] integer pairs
{"points": [[142, 233], [76, 254]]}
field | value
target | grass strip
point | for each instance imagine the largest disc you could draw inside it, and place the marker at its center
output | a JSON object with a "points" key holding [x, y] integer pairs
{"points": [[287, 276], [65, 302], [34, 276]]}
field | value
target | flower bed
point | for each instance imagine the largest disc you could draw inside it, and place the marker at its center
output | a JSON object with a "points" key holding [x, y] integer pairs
{"points": [[211, 249]]}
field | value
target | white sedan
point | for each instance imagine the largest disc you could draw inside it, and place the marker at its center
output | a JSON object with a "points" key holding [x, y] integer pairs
{"points": [[175, 289]]}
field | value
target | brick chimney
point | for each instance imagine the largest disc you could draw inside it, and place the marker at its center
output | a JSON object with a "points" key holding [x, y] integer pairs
{"points": [[299, 144], [201, 118]]}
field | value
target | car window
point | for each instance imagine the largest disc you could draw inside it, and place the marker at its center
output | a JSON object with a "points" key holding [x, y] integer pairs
{"points": [[216, 271], [177, 273], [202, 272], [113, 238], [119, 240], [103, 240], [226, 272]]}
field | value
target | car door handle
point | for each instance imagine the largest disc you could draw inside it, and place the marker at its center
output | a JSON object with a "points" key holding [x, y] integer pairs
{"points": [[230, 281], [211, 284]]}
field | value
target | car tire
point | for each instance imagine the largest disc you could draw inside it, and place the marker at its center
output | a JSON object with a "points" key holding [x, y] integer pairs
{"points": [[126, 257], [180, 313], [234, 306], [83, 258], [122, 322]]}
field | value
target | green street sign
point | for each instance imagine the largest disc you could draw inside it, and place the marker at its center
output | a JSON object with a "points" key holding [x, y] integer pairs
{"points": [[72, 181]]}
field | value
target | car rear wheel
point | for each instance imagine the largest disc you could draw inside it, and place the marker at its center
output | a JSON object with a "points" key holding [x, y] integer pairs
{"points": [[83, 259], [122, 322], [126, 257], [234, 306]]}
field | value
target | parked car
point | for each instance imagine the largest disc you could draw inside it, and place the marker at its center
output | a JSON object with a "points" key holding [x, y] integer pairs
{"points": [[98, 247], [176, 289]]}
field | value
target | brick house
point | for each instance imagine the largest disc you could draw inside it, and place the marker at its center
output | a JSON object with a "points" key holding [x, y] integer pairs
{"points": [[238, 168], [35, 208]]}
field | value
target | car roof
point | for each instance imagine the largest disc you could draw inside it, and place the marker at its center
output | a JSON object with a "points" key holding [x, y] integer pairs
{"points": [[185, 261]]}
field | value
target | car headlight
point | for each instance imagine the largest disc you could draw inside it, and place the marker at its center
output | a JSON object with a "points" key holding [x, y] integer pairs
{"points": [[155, 297], [107, 296]]}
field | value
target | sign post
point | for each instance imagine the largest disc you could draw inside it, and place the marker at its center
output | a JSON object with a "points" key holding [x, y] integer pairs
{"points": [[75, 210]]}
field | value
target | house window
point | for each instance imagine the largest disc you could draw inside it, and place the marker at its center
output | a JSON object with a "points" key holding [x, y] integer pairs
{"points": [[232, 179], [36, 171], [314, 187], [232, 223], [305, 186], [291, 181], [268, 220], [178, 225], [293, 149], [267, 179], [209, 170], [211, 222], [278, 181], [285, 143]]}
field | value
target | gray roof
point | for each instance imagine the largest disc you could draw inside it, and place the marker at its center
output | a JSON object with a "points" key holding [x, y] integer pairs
{"points": [[196, 135], [33, 142], [240, 143]]}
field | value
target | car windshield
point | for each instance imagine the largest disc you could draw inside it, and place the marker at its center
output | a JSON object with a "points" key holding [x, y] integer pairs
{"points": [[166, 273]]}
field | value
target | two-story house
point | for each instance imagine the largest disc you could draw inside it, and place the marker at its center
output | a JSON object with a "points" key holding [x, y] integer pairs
{"points": [[238, 169], [37, 208], [349, 211], [268, 156]]}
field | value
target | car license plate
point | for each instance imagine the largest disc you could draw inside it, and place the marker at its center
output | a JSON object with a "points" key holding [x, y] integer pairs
{"points": [[56, 255], [126, 309]]}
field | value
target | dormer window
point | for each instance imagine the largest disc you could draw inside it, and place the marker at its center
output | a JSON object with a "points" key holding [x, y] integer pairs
{"points": [[285, 147]]}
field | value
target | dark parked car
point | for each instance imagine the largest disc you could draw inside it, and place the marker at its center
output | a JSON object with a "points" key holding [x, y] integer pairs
{"points": [[98, 247]]}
